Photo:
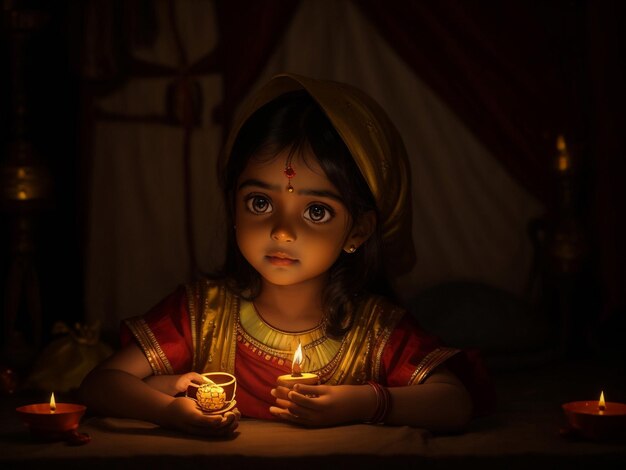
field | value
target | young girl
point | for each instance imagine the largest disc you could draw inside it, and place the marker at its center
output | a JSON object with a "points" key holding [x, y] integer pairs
{"points": [[317, 187]]}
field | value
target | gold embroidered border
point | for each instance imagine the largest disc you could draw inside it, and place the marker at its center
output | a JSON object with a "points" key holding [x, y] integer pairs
{"points": [[191, 302], [156, 357], [232, 356], [430, 362], [260, 346], [324, 372], [202, 347], [378, 357], [329, 369], [315, 342], [267, 349], [382, 342]]}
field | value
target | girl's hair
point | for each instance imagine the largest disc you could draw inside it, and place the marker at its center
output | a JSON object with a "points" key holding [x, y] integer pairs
{"points": [[295, 122]]}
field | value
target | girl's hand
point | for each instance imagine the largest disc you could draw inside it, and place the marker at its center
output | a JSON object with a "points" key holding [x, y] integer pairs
{"points": [[324, 405], [183, 414], [174, 384], [184, 380]]}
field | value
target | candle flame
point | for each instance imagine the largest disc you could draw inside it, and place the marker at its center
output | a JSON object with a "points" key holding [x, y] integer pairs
{"points": [[53, 403], [601, 402], [297, 362]]}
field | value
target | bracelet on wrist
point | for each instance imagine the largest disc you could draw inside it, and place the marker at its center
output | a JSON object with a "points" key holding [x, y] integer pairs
{"points": [[383, 403]]}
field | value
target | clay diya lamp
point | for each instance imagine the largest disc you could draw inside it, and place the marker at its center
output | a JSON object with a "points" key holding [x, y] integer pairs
{"points": [[596, 420], [52, 421]]}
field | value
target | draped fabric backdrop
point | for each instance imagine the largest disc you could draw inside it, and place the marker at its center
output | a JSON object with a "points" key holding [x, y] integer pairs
{"points": [[478, 91], [470, 216]]}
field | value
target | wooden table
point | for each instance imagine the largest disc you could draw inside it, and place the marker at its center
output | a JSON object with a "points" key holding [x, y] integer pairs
{"points": [[523, 433]]}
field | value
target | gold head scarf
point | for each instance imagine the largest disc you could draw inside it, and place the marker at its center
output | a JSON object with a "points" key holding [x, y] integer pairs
{"points": [[375, 145]]}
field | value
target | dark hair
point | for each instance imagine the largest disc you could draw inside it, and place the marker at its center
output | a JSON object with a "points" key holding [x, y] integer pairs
{"points": [[295, 121]]}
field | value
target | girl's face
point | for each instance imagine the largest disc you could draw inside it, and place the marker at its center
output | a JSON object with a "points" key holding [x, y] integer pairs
{"points": [[290, 237]]}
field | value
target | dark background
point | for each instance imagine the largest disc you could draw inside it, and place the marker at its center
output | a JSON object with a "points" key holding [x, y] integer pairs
{"points": [[563, 59], [41, 65]]}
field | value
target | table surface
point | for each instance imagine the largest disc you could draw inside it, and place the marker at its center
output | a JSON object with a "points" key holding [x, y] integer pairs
{"points": [[524, 431]]}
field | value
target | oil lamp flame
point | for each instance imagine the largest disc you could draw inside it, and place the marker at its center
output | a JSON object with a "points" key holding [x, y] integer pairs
{"points": [[601, 402], [296, 369], [53, 403]]}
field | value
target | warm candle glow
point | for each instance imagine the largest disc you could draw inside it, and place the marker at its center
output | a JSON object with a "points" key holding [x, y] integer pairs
{"points": [[596, 420], [296, 369], [563, 162], [297, 376], [53, 403], [54, 421]]}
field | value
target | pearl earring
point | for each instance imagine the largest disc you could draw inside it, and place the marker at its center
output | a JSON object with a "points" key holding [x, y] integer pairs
{"points": [[352, 249]]}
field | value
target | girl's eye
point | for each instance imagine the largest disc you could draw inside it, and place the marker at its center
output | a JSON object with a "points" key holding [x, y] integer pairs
{"points": [[318, 213], [259, 205]]}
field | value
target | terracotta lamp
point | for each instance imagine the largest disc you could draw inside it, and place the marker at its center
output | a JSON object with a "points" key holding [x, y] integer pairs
{"points": [[54, 421], [596, 420]]}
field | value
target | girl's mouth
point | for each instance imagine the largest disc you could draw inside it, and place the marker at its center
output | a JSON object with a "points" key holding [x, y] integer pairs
{"points": [[280, 259]]}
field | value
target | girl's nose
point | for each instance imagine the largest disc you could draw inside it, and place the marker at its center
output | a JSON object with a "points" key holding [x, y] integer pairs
{"points": [[283, 234]]}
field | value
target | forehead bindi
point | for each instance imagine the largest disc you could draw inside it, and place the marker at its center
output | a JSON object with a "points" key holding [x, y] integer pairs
{"points": [[270, 174]]}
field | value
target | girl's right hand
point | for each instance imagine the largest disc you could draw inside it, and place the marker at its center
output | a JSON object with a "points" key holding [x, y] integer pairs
{"points": [[183, 414], [183, 381]]}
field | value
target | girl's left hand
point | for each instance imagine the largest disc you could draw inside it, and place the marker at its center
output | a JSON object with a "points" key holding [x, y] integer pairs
{"points": [[324, 405]]}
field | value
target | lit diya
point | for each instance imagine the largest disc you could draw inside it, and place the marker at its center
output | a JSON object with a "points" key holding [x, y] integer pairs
{"points": [[297, 376], [597, 420], [54, 421]]}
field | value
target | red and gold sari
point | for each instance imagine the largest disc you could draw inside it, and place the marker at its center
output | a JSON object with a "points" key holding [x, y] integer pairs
{"points": [[204, 327]]}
